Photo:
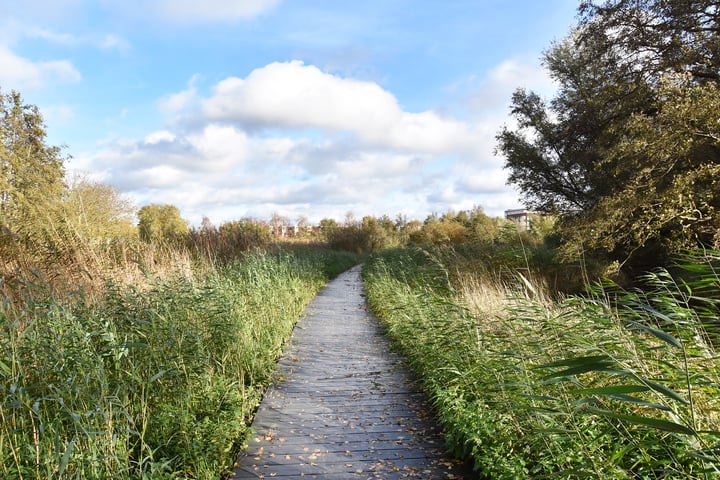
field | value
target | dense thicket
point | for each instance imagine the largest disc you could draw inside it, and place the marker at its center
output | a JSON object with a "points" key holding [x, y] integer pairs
{"points": [[628, 150]]}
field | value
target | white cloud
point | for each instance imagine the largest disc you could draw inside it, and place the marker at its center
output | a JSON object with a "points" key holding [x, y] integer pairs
{"points": [[377, 165], [495, 90], [12, 31], [23, 74], [177, 102], [46, 10], [220, 147], [112, 42], [222, 172], [520, 72], [276, 147], [474, 181], [159, 176], [159, 136], [54, 114], [213, 10], [302, 96], [166, 159], [293, 139], [50, 36]]}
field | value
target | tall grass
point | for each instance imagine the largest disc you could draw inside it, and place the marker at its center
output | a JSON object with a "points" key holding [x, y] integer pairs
{"points": [[152, 381], [64, 265], [613, 384]]}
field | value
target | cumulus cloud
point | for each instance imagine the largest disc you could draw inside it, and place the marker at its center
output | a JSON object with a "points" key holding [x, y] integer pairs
{"points": [[176, 103], [474, 181], [495, 90], [293, 139], [158, 176], [159, 137], [296, 95], [213, 10], [377, 165], [223, 172], [221, 147], [23, 74]]}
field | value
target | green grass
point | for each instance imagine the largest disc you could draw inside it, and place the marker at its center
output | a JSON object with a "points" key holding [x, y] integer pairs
{"points": [[613, 384], [154, 382]]}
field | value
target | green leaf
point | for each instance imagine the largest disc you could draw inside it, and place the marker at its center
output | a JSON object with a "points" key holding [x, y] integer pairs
{"points": [[640, 401], [668, 392], [5, 368], [610, 390], [656, 423], [538, 397], [620, 392], [593, 363], [158, 375], [700, 455], [575, 361], [66, 457], [664, 336]]}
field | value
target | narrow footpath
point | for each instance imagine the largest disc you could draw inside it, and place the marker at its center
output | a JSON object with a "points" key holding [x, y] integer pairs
{"points": [[343, 405]]}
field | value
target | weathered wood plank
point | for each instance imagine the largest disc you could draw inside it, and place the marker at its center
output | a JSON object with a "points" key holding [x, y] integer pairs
{"points": [[343, 405]]}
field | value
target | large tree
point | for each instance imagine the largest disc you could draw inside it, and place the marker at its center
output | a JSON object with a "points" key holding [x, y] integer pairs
{"points": [[161, 222], [31, 172], [628, 150], [97, 211], [658, 36]]}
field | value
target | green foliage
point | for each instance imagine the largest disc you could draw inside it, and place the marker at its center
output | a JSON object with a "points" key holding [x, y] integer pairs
{"points": [[620, 384], [370, 235], [656, 36], [97, 211], [148, 383], [379, 233], [161, 222], [467, 227], [31, 172], [245, 232], [231, 239], [628, 149], [327, 227], [437, 231], [347, 237], [464, 229]]}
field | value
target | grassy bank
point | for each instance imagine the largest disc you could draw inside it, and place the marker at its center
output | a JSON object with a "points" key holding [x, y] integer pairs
{"points": [[614, 384], [152, 382]]}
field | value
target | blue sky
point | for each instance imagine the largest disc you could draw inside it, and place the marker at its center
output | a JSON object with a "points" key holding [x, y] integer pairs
{"points": [[245, 108]]}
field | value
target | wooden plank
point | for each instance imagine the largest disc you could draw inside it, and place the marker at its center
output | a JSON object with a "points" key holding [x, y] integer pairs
{"points": [[343, 405]]}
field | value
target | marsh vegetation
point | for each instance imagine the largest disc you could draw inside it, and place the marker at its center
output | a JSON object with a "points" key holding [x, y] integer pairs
{"points": [[614, 383]]}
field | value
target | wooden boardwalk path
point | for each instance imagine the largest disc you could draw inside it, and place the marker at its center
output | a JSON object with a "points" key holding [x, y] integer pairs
{"points": [[343, 405]]}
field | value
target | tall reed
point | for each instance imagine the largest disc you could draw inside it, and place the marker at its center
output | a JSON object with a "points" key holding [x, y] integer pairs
{"points": [[152, 381], [615, 384]]}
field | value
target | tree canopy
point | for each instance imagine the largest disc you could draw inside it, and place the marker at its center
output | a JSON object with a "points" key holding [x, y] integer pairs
{"points": [[161, 222], [97, 211], [628, 150], [31, 172]]}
